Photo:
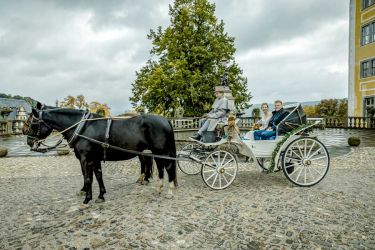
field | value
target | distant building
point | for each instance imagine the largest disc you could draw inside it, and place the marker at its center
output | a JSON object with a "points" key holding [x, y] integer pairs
{"points": [[361, 57], [13, 114]]}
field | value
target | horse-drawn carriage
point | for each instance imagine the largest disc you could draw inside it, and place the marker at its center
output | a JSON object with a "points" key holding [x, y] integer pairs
{"points": [[303, 159], [301, 156]]}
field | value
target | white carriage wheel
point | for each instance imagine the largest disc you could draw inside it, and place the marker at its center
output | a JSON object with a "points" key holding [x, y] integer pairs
{"points": [[219, 169], [305, 161], [189, 166]]}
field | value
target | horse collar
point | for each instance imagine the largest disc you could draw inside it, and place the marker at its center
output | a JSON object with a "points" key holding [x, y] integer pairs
{"points": [[78, 128]]}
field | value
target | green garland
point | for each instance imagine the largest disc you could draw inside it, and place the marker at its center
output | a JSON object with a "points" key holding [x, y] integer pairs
{"points": [[280, 143]]}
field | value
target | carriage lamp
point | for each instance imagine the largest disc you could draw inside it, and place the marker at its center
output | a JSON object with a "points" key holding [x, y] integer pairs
{"points": [[224, 79]]}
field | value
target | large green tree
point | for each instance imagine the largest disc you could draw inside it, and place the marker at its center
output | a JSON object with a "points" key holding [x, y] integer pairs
{"points": [[185, 63]]}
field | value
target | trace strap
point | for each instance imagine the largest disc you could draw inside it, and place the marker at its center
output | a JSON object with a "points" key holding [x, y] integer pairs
{"points": [[106, 145]]}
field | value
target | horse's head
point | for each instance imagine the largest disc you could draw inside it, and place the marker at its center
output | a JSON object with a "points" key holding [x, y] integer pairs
{"points": [[35, 128]]}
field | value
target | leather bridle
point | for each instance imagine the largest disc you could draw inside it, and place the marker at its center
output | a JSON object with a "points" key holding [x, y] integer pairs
{"points": [[37, 142]]}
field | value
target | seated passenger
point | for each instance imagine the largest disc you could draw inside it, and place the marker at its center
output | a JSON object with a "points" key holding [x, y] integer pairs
{"points": [[262, 123], [277, 116], [217, 114]]}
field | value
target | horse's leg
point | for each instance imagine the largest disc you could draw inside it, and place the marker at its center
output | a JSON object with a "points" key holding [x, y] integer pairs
{"points": [[99, 178], [148, 169], [141, 178], [172, 178], [83, 189], [160, 165], [88, 174]]}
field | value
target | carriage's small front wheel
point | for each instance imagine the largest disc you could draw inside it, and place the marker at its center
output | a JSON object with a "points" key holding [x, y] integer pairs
{"points": [[219, 169], [193, 155], [305, 161]]}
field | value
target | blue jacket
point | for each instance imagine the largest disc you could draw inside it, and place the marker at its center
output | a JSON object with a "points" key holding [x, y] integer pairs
{"points": [[277, 117]]}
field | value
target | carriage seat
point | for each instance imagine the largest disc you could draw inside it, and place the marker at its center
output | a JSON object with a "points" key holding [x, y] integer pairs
{"points": [[216, 135]]}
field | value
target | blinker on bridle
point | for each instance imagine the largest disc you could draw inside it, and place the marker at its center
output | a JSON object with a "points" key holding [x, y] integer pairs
{"points": [[39, 121]]}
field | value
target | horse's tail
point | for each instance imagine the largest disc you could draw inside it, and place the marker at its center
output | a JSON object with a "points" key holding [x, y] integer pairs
{"points": [[172, 153]]}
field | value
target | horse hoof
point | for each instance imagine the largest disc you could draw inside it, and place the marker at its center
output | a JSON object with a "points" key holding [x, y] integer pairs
{"points": [[86, 201], [81, 193], [99, 200]]}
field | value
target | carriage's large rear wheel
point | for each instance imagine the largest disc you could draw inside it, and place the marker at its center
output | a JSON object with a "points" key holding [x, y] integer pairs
{"points": [[305, 161], [194, 155], [219, 169]]}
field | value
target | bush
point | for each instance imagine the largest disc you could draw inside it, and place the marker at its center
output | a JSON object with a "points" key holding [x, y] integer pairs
{"points": [[354, 141], [3, 152]]}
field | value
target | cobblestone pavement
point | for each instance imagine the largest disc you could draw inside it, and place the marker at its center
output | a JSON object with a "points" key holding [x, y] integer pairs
{"points": [[40, 209]]}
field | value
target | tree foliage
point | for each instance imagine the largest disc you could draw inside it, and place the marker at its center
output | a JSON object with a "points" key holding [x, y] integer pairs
{"points": [[328, 107], [30, 100], [79, 102], [185, 63], [256, 112]]}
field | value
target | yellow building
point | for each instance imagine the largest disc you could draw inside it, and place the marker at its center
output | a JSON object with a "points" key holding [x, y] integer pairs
{"points": [[361, 57]]}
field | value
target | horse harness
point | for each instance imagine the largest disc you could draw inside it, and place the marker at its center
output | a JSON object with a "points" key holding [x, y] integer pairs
{"points": [[87, 116], [106, 145]]}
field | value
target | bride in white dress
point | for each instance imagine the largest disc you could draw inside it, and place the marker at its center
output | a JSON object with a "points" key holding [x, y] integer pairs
{"points": [[263, 122]]}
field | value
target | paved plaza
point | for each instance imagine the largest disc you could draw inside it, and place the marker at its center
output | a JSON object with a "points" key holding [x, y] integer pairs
{"points": [[40, 208]]}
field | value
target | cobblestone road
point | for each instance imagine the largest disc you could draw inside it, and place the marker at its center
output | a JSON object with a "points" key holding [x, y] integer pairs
{"points": [[40, 209]]}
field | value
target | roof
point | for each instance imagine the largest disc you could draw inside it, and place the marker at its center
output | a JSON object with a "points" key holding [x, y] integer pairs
{"points": [[14, 104]]}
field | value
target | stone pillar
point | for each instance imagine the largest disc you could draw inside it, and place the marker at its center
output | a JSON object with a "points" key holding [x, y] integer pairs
{"points": [[9, 128]]}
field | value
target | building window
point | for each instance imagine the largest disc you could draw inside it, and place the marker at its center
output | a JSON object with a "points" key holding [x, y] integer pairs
{"points": [[367, 3], [368, 102], [366, 37], [365, 69], [368, 68]]}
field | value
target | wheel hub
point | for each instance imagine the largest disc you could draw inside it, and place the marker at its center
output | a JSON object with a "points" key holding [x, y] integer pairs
{"points": [[221, 170], [306, 162]]}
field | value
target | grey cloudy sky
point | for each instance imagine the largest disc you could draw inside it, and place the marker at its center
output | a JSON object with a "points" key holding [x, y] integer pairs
{"points": [[294, 50]]}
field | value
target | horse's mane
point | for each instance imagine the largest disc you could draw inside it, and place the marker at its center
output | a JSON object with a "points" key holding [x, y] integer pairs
{"points": [[68, 111]]}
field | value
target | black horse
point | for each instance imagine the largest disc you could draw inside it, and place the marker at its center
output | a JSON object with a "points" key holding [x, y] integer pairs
{"points": [[137, 133]]}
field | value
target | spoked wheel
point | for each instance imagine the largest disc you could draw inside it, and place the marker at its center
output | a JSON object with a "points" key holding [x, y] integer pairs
{"points": [[305, 161], [219, 169], [193, 154]]}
